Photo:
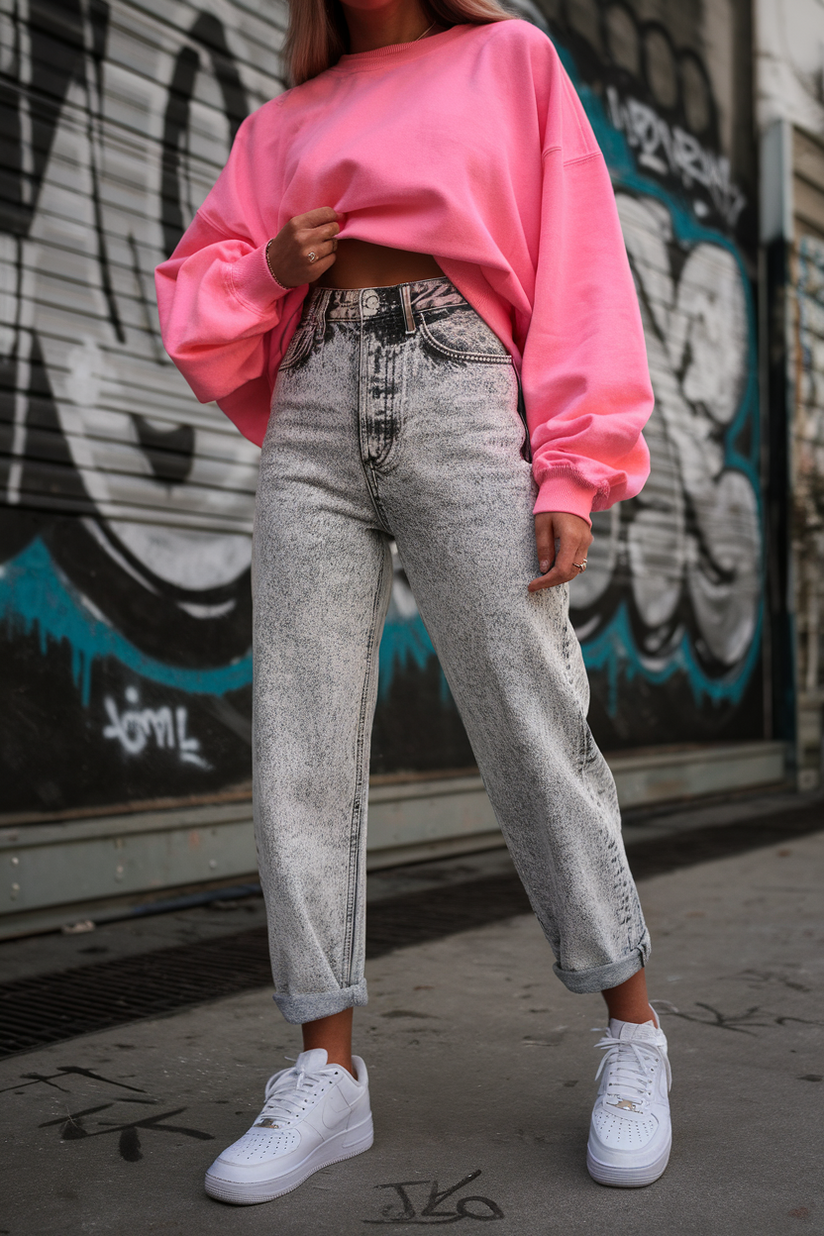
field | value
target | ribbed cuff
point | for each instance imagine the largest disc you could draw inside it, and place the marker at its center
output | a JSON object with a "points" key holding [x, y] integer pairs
{"points": [[565, 493], [253, 282]]}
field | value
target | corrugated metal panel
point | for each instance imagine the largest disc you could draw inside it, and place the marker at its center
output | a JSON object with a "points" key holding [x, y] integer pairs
{"points": [[809, 209], [808, 158], [808, 184], [807, 448], [135, 106]]}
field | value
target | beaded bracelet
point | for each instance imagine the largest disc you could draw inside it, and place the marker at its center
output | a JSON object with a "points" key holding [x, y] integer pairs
{"points": [[269, 265]]}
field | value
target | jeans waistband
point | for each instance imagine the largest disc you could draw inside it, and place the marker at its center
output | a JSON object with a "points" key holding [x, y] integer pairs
{"points": [[362, 304]]}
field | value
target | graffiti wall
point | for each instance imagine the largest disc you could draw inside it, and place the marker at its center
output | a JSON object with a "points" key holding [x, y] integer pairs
{"points": [[807, 473], [125, 531], [808, 462], [125, 506], [670, 613]]}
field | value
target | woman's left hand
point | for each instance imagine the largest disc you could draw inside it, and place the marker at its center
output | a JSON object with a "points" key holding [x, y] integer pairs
{"points": [[574, 537]]}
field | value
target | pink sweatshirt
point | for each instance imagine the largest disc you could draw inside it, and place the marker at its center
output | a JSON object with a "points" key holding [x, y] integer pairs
{"points": [[472, 146]]}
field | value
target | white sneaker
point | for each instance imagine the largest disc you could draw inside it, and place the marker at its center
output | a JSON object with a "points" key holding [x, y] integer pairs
{"points": [[315, 1114], [630, 1134]]}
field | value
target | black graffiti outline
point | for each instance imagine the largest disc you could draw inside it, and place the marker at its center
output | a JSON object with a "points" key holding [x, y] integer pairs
{"points": [[208, 31], [430, 1215], [129, 1145], [662, 640], [740, 1023], [99, 16], [85, 31], [67, 1070], [598, 65], [724, 1021], [170, 452]]}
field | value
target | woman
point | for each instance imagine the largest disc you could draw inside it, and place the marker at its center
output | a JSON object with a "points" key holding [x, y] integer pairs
{"points": [[417, 232]]}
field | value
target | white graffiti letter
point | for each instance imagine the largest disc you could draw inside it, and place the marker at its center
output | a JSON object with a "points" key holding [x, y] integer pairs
{"points": [[189, 748]]}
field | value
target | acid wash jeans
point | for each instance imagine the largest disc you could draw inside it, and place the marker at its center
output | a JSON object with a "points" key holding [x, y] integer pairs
{"points": [[395, 414]]}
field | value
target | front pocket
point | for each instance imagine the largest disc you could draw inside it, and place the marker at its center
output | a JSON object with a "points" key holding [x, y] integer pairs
{"points": [[462, 335], [300, 345]]}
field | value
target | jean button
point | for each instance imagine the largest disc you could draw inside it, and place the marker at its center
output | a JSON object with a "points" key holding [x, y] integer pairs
{"points": [[370, 301]]}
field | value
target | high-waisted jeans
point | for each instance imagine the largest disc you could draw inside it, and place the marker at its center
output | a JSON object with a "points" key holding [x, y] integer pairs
{"points": [[395, 414]]}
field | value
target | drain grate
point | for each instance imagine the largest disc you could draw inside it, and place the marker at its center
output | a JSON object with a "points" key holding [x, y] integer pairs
{"points": [[49, 1008], [53, 1007], [704, 845]]}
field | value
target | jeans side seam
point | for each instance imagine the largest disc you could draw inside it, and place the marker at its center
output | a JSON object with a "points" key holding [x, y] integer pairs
{"points": [[356, 819]]}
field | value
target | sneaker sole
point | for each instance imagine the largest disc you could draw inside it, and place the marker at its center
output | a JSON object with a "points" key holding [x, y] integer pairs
{"points": [[250, 1193], [628, 1177]]}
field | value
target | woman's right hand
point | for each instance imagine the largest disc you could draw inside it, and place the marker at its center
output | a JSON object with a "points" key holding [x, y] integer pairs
{"points": [[288, 252]]}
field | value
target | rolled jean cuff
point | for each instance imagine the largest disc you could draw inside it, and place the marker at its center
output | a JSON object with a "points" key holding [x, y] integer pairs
{"points": [[309, 1007], [601, 978]]}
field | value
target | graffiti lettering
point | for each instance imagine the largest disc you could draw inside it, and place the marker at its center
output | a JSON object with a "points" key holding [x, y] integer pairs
{"points": [[127, 511], [671, 607], [127, 504], [481, 1208], [708, 534], [135, 727], [686, 554], [741, 1023], [73, 1127], [672, 150], [63, 1073], [809, 456]]}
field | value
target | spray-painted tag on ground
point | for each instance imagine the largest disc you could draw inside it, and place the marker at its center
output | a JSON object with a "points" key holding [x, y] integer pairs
{"points": [[424, 1202]]}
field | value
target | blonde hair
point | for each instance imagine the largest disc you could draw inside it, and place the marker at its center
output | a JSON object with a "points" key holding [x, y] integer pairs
{"points": [[318, 35]]}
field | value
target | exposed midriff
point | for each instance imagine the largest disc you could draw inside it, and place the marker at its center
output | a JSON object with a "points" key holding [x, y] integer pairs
{"points": [[359, 264]]}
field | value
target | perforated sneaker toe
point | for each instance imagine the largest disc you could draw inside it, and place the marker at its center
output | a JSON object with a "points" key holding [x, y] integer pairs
{"points": [[630, 1134], [315, 1114]]}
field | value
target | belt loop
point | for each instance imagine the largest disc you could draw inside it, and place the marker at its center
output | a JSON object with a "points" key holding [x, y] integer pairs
{"points": [[406, 301]]}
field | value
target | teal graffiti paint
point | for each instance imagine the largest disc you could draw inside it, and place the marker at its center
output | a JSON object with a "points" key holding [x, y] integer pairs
{"points": [[36, 596], [404, 641], [613, 650]]}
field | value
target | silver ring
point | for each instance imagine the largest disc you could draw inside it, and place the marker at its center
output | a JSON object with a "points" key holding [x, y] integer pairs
{"points": [[313, 257], [580, 566]]}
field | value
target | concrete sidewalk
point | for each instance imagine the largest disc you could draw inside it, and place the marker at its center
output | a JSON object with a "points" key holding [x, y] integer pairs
{"points": [[482, 1068]]}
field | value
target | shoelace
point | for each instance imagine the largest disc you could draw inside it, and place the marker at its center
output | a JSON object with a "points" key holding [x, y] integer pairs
{"points": [[286, 1094], [630, 1064]]}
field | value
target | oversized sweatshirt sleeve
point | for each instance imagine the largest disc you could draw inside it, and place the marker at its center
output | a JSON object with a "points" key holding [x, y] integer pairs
{"points": [[217, 299], [587, 390]]}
